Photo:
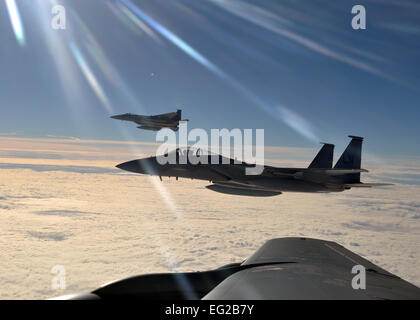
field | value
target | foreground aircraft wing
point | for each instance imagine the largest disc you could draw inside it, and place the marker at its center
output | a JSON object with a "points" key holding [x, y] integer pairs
{"points": [[303, 268], [285, 268]]}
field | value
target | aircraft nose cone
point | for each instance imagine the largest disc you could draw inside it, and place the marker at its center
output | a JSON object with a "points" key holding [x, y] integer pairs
{"points": [[131, 166], [143, 166], [124, 166]]}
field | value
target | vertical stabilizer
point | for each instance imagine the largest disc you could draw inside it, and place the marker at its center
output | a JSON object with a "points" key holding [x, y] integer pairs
{"points": [[324, 158], [352, 156], [351, 159]]}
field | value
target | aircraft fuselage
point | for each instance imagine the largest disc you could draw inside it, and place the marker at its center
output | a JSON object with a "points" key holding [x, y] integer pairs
{"points": [[232, 176]]}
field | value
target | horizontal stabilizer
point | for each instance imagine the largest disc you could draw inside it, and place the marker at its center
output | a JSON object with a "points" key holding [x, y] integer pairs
{"points": [[367, 185], [336, 172]]}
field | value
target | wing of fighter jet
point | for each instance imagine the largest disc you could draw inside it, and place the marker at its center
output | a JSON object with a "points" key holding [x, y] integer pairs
{"points": [[285, 268], [367, 185], [241, 190], [157, 128]]}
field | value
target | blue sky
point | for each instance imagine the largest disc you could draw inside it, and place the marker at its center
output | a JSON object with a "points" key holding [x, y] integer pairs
{"points": [[227, 64]]}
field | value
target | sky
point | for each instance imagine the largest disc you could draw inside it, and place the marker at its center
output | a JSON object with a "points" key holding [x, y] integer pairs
{"points": [[293, 68], [296, 69]]}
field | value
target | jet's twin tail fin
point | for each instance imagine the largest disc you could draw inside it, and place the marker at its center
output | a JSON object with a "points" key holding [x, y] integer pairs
{"points": [[351, 159], [324, 158], [352, 156], [177, 116]]}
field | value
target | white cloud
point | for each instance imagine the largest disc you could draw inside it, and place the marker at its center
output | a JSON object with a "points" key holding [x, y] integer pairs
{"points": [[107, 225], [103, 227]]}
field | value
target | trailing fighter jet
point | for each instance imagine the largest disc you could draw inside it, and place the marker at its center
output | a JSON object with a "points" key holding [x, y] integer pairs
{"points": [[228, 175], [154, 123]]}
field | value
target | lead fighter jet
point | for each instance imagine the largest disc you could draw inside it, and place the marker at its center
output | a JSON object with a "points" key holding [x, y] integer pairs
{"points": [[229, 176], [154, 123]]}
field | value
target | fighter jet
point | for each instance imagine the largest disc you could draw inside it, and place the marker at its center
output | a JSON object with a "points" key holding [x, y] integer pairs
{"points": [[229, 176], [154, 123]]}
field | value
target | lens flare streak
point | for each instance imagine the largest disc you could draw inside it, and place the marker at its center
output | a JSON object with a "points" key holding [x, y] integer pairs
{"points": [[133, 18], [16, 21], [197, 56], [181, 44], [297, 123], [90, 77]]}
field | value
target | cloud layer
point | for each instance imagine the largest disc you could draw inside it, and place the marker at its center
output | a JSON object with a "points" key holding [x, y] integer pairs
{"points": [[105, 225]]}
